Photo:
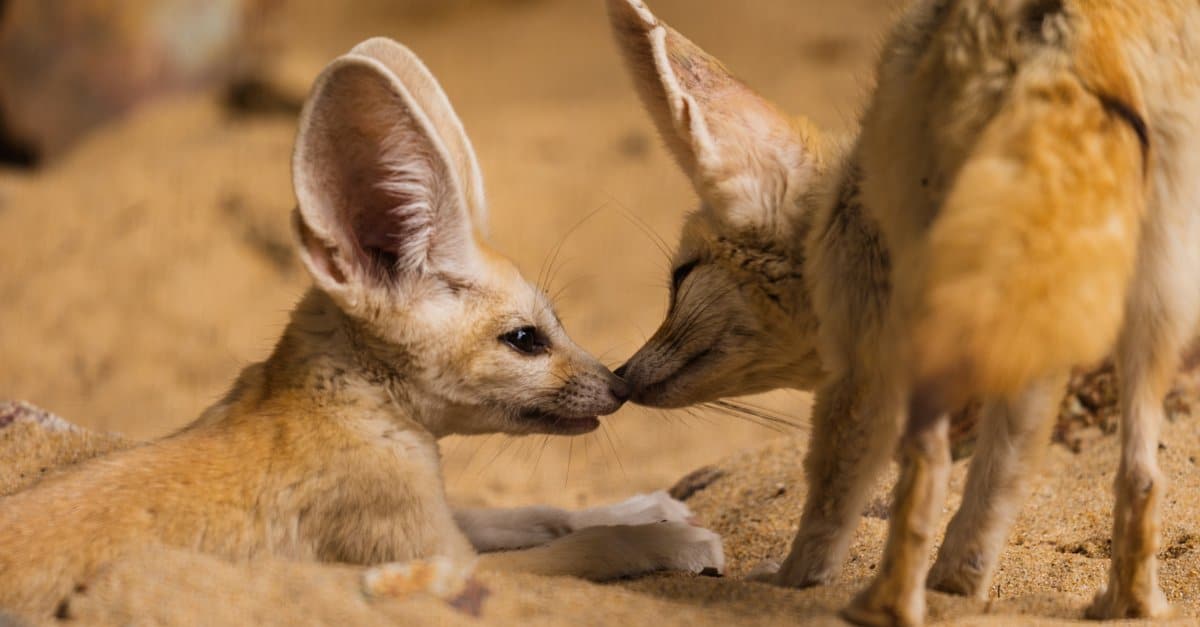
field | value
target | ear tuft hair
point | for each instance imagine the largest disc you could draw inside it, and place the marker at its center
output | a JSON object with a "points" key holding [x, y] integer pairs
{"points": [[428, 95]]}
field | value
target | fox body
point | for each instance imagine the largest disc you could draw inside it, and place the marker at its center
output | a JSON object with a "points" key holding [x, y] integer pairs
{"points": [[1021, 199], [328, 450]]}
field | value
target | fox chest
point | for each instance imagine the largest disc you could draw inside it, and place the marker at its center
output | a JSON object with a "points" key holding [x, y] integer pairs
{"points": [[381, 502]]}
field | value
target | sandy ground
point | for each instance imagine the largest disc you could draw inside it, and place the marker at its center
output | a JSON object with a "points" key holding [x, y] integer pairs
{"points": [[140, 273]]}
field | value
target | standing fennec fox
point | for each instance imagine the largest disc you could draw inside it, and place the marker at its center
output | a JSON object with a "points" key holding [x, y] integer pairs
{"points": [[1023, 198], [328, 450]]}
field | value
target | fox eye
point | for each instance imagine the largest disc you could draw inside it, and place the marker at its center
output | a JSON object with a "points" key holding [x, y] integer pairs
{"points": [[682, 273], [526, 340]]}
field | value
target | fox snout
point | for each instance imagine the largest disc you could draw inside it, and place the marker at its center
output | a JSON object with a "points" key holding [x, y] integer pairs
{"points": [[573, 408], [663, 373], [587, 386], [596, 393], [636, 381], [619, 388]]}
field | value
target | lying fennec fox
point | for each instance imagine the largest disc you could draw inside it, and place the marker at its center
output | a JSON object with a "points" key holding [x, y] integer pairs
{"points": [[328, 450], [1022, 199]]}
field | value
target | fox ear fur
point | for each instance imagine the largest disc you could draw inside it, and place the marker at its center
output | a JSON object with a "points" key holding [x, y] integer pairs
{"points": [[383, 195], [427, 93], [740, 152]]}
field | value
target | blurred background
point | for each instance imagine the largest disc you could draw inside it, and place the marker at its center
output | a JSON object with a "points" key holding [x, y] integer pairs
{"points": [[145, 191]]}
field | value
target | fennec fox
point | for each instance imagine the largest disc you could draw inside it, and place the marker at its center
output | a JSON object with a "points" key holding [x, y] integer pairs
{"points": [[414, 330], [1030, 166]]}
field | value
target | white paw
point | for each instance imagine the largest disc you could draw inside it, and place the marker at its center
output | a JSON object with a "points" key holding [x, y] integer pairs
{"points": [[642, 509], [689, 548], [612, 551]]}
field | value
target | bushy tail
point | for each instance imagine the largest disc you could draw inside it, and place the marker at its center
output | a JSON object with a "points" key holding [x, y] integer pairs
{"points": [[1029, 259]]}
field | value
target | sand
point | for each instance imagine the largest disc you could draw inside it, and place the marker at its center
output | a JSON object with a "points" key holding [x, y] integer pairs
{"points": [[141, 271]]}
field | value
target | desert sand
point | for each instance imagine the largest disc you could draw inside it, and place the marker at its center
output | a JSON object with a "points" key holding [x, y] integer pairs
{"points": [[140, 272]]}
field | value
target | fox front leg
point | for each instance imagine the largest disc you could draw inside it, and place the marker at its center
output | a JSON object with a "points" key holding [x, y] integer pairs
{"points": [[613, 551], [523, 527]]}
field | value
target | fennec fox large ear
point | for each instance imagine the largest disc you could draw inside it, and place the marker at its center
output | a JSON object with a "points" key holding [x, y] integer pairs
{"points": [[382, 195], [432, 100], [744, 157]]}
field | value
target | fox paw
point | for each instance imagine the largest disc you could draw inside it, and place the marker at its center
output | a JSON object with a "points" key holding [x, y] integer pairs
{"points": [[612, 551], [766, 571], [880, 606], [686, 547], [808, 565], [776, 574], [1110, 605], [965, 578], [642, 509]]}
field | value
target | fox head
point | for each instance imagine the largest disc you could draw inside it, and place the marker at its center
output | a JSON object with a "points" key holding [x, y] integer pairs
{"points": [[739, 320], [390, 217]]}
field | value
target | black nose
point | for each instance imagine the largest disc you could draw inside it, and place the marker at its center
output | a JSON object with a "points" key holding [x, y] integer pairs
{"points": [[620, 372], [619, 389]]}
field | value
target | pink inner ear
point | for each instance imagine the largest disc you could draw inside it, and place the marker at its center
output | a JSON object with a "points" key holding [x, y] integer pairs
{"points": [[389, 212], [382, 176]]}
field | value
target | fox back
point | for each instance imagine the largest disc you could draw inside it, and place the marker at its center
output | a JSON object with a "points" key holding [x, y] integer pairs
{"points": [[1010, 164]]}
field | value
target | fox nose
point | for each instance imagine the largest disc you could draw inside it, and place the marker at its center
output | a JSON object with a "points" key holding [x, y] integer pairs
{"points": [[619, 388]]}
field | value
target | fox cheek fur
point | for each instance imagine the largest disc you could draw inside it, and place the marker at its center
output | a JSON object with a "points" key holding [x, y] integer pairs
{"points": [[731, 323]]}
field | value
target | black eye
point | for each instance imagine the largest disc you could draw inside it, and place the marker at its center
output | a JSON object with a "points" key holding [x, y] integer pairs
{"points": [[681, 273], [527, 340]]}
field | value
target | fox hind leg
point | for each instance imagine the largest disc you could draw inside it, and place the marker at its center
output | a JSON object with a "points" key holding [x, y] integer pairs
{"points": [[1145, 366], [897, 594], [1163, 308], [1014, 435]]}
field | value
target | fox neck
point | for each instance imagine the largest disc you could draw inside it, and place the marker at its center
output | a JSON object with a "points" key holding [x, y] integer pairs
{"points": [[794, 300], [330, 364], [779, 258]]}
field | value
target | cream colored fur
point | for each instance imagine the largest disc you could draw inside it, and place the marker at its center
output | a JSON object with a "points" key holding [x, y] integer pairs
{"points": [[1022, 199], [328, 449]]}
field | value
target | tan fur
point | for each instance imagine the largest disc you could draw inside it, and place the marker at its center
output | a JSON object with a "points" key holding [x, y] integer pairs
{"points": [[1005, 236], [1030, 226], [741, 320], [328, 449], [1059, 146], [768, 266]]}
